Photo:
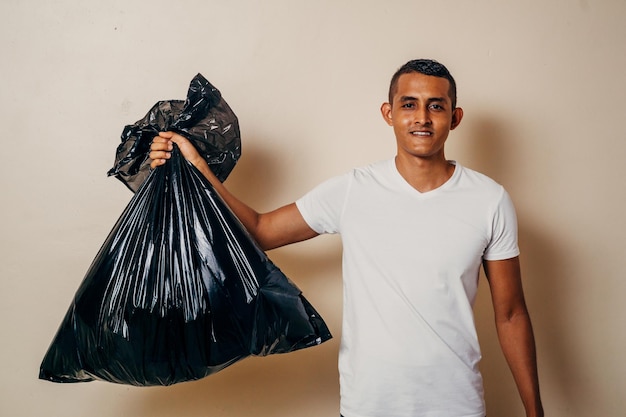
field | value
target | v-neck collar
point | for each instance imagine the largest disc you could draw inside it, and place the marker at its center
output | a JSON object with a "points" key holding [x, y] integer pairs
{"points": [[430, 193]]}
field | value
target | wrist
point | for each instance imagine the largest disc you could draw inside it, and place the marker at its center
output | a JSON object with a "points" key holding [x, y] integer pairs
{"points": [[536, 412]]}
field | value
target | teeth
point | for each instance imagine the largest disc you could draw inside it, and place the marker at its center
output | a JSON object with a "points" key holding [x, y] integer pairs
{"points": [[421, 133]]}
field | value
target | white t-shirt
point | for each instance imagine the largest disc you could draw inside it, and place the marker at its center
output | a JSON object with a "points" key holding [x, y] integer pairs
{"points": [[410, 267]]}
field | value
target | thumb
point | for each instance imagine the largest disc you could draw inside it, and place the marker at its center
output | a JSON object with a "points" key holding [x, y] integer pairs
{"points": [[178, 139], [166, 135]]}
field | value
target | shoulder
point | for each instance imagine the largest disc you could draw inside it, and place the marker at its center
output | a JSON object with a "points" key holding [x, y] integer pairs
{"points": [[376, 172], [478, 181], [479, 189], [337, 188], [372, 169]]}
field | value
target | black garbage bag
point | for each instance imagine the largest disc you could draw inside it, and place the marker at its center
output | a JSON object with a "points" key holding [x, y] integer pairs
{"points": [[178, 291], [204, 118]]}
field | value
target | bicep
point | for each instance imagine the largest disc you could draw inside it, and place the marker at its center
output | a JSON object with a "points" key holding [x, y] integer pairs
{"points": [[505, 283], [282, 227]]}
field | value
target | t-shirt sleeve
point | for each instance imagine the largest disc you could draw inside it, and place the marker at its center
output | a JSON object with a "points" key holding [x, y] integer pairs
{"points": [[322, 207], [503, 244]]}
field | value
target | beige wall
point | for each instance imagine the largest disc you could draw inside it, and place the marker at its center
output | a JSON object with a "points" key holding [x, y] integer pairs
{"points": [[542, 84]]}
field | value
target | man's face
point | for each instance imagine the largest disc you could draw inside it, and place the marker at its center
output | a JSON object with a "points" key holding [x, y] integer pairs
{"points": [[421, 115]]}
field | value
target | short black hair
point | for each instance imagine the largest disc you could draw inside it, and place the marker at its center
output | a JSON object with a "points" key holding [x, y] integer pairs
{"points": [[426, 67]]}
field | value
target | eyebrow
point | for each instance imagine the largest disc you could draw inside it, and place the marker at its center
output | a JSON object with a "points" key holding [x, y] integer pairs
{"points": [[430, 100]]}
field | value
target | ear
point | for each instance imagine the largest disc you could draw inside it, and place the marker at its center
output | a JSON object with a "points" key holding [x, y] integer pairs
{"points": [[457, 115], [385, 110]]}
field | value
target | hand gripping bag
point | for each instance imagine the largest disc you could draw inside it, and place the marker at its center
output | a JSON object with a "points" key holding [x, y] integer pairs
{"points": [[204, 118], [178, 291]]}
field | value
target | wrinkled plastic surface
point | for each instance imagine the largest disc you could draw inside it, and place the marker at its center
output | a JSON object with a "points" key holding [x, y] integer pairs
{"points": [[179, 290], [204, 118]]}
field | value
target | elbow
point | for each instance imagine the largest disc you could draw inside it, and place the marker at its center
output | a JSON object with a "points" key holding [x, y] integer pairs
{"points": [[513, 315]]}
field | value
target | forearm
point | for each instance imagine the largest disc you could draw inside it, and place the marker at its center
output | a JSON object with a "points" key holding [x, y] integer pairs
{"points": [[161, 150], [247, 215], [516, 338], [271, 230], [277, 228]]}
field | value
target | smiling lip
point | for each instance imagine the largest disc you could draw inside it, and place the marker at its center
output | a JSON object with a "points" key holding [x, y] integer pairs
{"points": [[421, 133]]}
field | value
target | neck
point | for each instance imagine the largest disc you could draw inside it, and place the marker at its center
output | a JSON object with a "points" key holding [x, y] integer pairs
{"points": [[424, 174]]}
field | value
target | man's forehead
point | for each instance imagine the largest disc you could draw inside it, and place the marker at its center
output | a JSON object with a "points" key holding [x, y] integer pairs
{"points": [[420, 86], [418, 80]]}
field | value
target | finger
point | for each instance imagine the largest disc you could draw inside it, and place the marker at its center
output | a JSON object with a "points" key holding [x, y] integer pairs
{"points": [[173, 136], [160, 155], [157, 163], [159, 139], [160, 144], [178, 139]]}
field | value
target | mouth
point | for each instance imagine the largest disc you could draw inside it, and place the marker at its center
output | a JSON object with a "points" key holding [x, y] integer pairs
{"points": [[421, 133]]}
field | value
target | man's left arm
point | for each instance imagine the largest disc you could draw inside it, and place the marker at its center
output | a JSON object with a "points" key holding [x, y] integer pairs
{"points": [[514, 329]]}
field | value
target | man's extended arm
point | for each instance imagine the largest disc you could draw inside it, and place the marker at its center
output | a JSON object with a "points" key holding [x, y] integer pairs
{"points": [[514, 329], [280, 227]]}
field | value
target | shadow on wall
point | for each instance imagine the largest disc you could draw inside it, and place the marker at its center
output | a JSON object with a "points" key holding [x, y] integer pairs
{"points": [[491, 148], [301, 383]]}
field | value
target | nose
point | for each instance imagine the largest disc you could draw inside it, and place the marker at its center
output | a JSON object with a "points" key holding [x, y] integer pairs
{"points": [[421, 116]]}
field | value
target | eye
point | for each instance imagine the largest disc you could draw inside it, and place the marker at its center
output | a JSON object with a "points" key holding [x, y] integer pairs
{"points": [[408, 105], [436, 107]]}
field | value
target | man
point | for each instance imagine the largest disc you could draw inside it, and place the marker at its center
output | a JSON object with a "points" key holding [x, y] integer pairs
{"points": [[415, 230]]}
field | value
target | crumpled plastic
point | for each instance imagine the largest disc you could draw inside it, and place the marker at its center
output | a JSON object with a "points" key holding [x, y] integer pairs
{"points": [[204, 118], [178, 291]]}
